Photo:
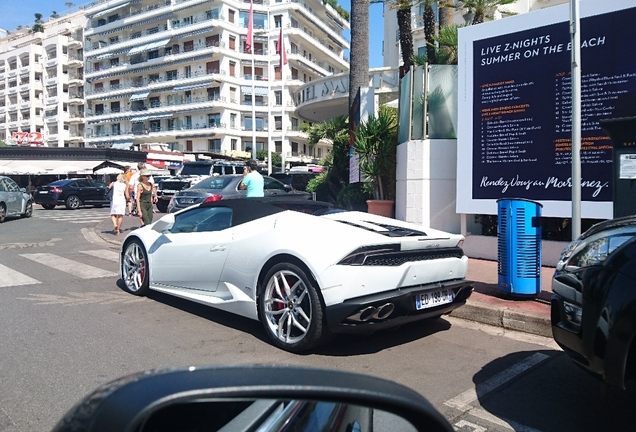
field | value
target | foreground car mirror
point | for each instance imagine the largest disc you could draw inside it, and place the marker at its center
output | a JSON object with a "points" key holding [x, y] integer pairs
{"points": [[163, 224], [249, 398]]}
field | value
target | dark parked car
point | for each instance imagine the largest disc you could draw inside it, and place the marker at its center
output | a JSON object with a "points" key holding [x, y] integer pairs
{"points": [[14, 201], [594, 301], [72, 193], [226, 186]]}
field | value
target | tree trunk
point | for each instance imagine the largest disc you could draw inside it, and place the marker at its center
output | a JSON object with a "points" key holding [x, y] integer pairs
{"points": [[406, 36], [446, 15], [429, 31], [359, 49]]}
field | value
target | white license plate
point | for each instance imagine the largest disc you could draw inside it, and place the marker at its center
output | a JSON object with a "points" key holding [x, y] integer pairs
{"points": [[188, 201], [43, 192], [433, 298]]}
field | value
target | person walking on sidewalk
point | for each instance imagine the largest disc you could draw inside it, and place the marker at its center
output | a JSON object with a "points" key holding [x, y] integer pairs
{"points": [[252, 180], [118, 203], [145, 196]]}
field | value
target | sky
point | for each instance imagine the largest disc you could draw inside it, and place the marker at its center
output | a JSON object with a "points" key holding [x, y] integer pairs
{"points": [[21, 12]]}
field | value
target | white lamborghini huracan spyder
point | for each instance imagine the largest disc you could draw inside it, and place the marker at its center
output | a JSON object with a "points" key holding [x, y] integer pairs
{"points": [[305, 269]]}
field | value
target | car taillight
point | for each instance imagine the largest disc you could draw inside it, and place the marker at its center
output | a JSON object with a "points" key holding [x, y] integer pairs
{"points": [[213, 198], [57, 190]]}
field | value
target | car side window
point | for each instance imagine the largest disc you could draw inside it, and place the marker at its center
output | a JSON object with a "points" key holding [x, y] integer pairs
{"points": [[11, 186], [3, 186], [203, 219], [271, 184]]}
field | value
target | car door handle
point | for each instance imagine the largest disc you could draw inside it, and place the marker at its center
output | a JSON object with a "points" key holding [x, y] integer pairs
{"points": [[217, 248]]}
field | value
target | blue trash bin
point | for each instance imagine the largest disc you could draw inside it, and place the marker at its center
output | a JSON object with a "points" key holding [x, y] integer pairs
{"points": [[519, 246]]}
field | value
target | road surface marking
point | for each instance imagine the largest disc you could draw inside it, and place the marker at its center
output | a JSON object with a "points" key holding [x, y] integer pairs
{"points": [[66, 265], [83, 298], [463, 401], [106, 254], [10, 277]]}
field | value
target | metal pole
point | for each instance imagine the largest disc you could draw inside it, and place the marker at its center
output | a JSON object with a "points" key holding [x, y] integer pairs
{"points": [[575, 38], [253, 112]]}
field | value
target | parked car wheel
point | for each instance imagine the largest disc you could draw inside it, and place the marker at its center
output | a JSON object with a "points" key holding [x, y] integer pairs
{"points": [[290, 309], [134, 268], [48, 206], [28, 211], [3, 213], [162, 206], [73, 202]]}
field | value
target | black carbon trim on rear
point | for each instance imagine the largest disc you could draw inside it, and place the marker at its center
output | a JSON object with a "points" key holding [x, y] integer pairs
{"points": [[399, 258]]}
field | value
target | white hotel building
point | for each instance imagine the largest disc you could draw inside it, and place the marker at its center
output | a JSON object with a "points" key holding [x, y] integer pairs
{"points": [[131, 72]]}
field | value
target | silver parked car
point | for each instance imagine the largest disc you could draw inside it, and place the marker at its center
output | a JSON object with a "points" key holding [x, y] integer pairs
{"points": [[226, 186], [14, 200]]}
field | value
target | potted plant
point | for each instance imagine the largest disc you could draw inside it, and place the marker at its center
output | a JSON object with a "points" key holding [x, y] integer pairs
{"points": [[375, 143]]}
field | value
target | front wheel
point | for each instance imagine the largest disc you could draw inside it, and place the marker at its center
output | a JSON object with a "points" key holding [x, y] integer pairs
{"points": [[134, 268], [28, 211], [290, 309], [3, 213], [73, 202]]}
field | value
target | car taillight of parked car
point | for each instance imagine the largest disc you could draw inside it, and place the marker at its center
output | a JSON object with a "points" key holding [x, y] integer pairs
{"points": [[56, 190], [213, 198]]}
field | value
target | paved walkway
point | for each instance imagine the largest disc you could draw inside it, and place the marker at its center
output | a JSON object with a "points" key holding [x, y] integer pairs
{"points": [[487, 304]]}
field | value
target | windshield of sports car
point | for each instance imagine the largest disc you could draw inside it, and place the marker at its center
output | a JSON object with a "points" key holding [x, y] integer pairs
{"points": [[203, 219], [214, 183]]}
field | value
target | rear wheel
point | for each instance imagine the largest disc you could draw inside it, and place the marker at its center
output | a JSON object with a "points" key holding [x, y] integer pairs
{"points": [[290, 309], [28, 211], [73, 202], [3, 213], [48, 206], [134, 268]]}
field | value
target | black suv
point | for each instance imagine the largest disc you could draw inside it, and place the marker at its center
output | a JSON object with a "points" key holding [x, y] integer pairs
{"points": [[594, 302], [297, 180]]}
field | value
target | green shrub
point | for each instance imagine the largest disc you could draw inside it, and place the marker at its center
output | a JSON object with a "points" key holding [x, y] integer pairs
{"points": [[354, 197]]}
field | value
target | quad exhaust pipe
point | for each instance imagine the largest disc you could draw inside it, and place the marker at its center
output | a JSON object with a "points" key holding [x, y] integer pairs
{"points": [[371, 312]]}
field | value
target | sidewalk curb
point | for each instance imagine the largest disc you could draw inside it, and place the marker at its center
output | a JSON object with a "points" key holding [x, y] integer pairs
{"points": [[509, 319]]}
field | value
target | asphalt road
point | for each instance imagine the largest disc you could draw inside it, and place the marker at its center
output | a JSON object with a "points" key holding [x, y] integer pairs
{"points": [[66, 327]]}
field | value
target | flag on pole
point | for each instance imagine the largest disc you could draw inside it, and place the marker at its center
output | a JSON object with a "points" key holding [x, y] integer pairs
{"points": [[250, 30], [280, 49]]}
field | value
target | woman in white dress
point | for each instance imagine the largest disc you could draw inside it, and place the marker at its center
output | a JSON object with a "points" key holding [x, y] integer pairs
{"points": [[118, 203]]}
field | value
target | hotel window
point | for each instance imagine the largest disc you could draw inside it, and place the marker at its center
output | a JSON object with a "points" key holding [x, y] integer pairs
{"points": [[214, 145]]}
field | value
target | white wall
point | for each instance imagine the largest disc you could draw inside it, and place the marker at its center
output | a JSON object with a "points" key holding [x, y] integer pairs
{"points": [[425, 189]]}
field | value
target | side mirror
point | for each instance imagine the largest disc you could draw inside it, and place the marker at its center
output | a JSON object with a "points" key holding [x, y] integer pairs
{"points": [[246, 398], [165, 223]]}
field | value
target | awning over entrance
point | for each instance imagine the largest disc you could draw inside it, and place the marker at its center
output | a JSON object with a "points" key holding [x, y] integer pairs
{"points": [[63, 167]]}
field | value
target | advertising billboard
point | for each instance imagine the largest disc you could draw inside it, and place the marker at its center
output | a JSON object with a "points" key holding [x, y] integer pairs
{"points": [[514, 139]]}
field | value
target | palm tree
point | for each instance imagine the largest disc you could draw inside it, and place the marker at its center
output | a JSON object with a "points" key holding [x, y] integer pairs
{"points": [[69, 4], [446, 14], [406, 34], [429, 30], [485, 8], [359, 49], [38, 27], [448, 42]]}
